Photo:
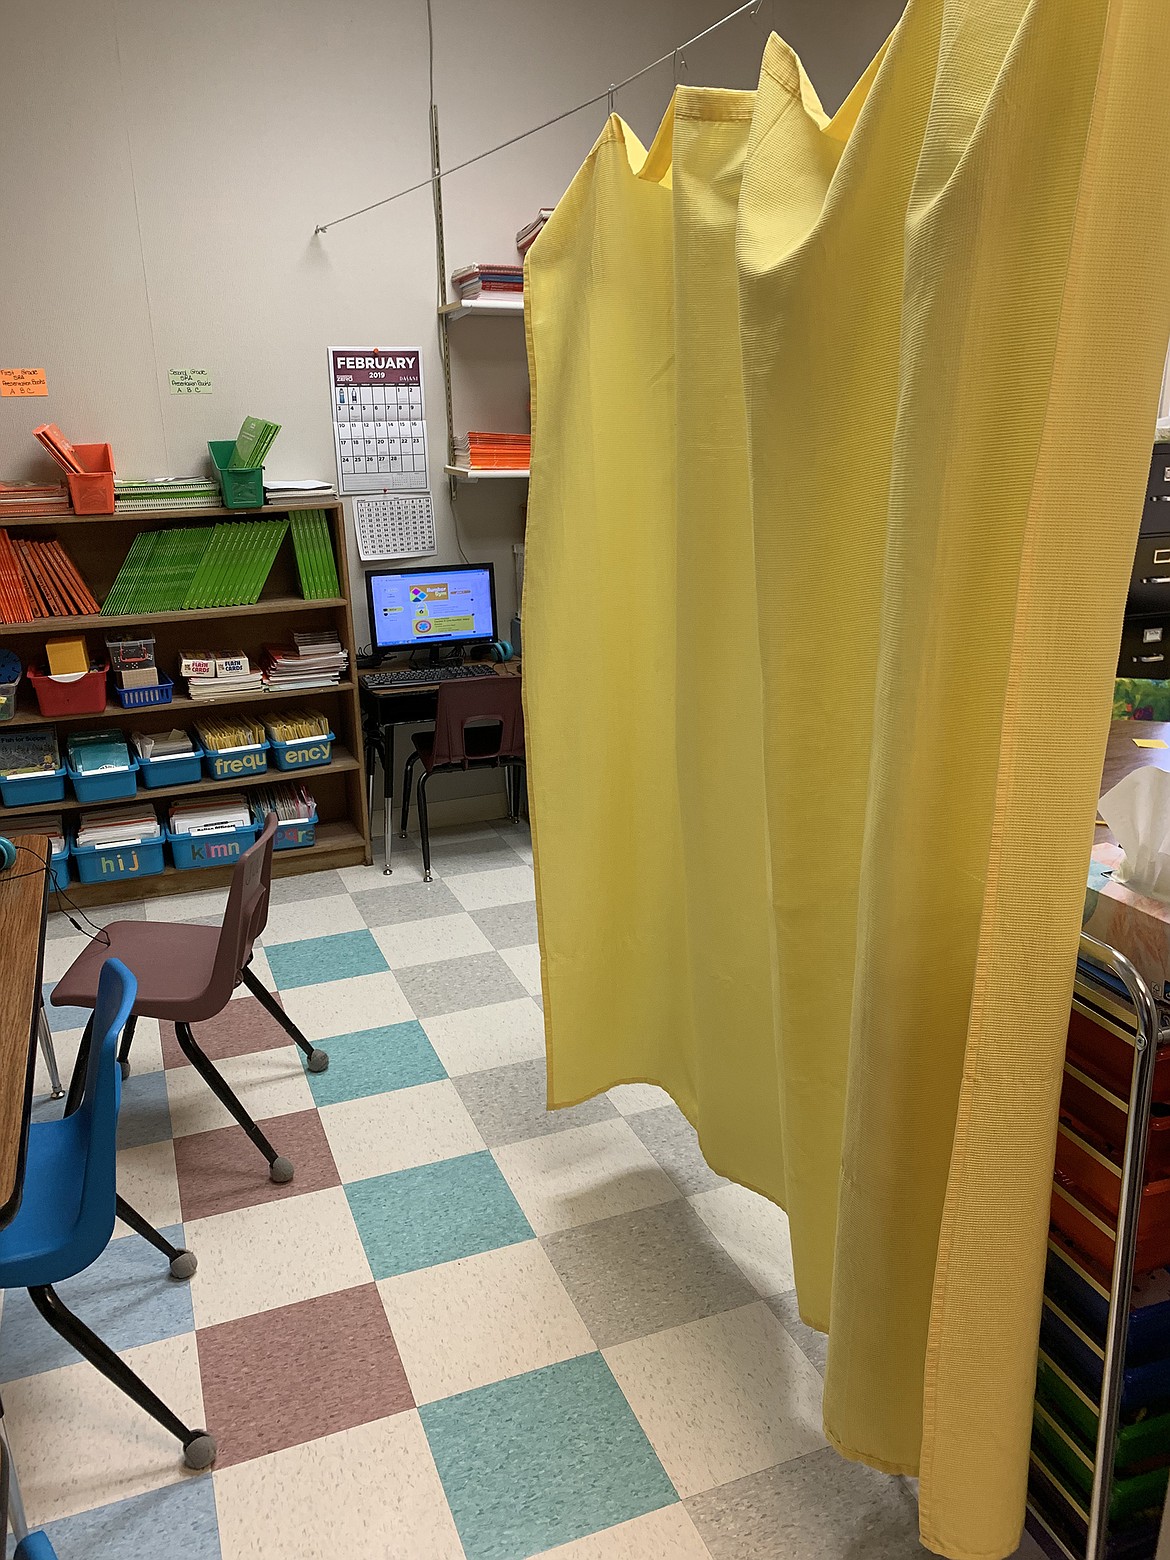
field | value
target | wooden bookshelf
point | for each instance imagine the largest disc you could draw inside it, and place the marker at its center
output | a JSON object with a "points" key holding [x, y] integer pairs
{"points": [[98, 544]]}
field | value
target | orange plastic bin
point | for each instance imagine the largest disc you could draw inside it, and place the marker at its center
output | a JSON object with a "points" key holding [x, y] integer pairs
{"points": [[91, 492]]}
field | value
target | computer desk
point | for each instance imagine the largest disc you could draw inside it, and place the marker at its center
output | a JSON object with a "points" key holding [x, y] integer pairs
{"points": [[410, 704], [24, 892]]}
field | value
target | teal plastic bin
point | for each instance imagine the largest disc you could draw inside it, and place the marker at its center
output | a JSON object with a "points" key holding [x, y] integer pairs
{"points": [[242, 488]]}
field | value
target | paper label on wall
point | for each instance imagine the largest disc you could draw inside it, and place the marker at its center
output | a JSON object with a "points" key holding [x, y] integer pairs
{"points": [[189, 381], [23, 381], [379, 422]]}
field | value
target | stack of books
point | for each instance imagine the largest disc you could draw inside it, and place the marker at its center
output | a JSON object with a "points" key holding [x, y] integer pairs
{"points": [[313, 546], [313, 660], [254, 440], [46, 823], [527, 235], [50, 438], [133, 494], [477, 281], [225, 565], [494, 451], [162, 744], [29, 751], [211, 677], [292, 803], [38, 579], [98, 752], [119, 825], [33, 498], [278, 492], [210, 815]]}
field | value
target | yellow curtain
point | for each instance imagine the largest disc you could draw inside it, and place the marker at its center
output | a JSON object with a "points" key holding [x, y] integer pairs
{"points": [[821, 609]]}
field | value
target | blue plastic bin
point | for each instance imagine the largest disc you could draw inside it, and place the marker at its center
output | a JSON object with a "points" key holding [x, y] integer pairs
{"points": [[110, 863], [59, 867], [23, 790], [297, 834], [181, 769], [216, 848], [233, 763], [111, 785], [308, 753], [143, 698]]}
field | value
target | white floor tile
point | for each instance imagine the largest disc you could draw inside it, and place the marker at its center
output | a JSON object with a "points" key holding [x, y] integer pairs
{"points": [[583, 1174], [753, 1231], [505, 886], [267, 1083], [385, 1132], [493, 1036], [524, 963], [426, 942], [312, 918], [343, 1007]]}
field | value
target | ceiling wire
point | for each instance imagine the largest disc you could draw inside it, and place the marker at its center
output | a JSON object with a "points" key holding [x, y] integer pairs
{"points": [[750, 7]]}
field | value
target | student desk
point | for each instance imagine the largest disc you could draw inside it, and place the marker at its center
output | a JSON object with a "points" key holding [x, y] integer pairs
{"points": [[23, 901], [409, 704]]}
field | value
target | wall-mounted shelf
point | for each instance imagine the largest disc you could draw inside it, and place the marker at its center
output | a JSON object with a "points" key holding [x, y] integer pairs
{"points": [[468, 308], [465, 474]]}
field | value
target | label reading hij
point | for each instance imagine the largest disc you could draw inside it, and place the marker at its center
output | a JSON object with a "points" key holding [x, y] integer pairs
{"points": [[379, 427]]}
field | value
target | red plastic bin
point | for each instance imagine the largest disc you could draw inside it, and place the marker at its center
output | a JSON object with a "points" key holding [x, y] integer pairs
{"points": [[85, 696], [92, 491]]}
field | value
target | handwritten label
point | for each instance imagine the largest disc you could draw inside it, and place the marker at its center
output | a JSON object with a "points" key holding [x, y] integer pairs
{"points": [[189, 381], [23, 381]]}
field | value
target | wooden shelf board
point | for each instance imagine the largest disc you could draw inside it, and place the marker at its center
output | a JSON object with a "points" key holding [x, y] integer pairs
{"points": [[271, 606], [466, 474], [339, 844], [466, 308], [342, 762], [178, 516], [181, 702]]}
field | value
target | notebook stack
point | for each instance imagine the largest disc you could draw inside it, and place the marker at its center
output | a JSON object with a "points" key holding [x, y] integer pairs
{"points": [[491, 281], [133, 494], [242, 677], [494, 451], [33, 498], [292, 803], [46, 823], [313, 660], [119, 825], [313, 546], [254, 440], [162, 744], [528, 235], [225, 565], [210, 814]]}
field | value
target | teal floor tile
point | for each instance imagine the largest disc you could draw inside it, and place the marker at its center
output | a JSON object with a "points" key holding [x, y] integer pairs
{"points": [[174, 1523], [316, 959], [543, 1459], [376, 1061], [414, 1219]]}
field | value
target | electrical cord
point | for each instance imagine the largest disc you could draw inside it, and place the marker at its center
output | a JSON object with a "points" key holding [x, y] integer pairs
{"points": [[45, 864]]}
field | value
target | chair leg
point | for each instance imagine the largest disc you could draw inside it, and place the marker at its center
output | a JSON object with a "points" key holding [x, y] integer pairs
{"points": [[124, 1047], [424, 824], [183, 1262], [49, 1052], [13, 1502], [407, 781], [318, 1059], [198, 1446], [77, 1078], [279, 1168]]}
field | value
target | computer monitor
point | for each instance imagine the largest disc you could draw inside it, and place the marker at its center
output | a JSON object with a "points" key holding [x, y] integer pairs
{"points": [[416, 609]]}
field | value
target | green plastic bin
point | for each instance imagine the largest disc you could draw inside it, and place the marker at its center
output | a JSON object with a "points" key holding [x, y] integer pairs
{"points": [[242, 488]]}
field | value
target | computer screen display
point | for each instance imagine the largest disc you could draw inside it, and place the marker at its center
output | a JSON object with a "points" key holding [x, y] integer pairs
{"points": [[411, 608]]}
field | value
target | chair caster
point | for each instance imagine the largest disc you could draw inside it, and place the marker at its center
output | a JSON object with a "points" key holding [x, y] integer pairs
{"points": [[280, 1170], [56, 1094], [200, 1450], [427, 878], [318, 1060], [387, 871], [125, 1067], [402, 834], [184, 1264]]}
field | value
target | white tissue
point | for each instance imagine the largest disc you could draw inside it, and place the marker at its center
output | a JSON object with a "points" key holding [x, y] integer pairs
{"points": [[1137, 809]]}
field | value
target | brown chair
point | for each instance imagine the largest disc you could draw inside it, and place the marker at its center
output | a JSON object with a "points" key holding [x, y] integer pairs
{"points": [[186, 975], [479, 724]]}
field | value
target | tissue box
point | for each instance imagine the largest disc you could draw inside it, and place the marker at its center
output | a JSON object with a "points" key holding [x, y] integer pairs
{"points": [[1133, 923]]}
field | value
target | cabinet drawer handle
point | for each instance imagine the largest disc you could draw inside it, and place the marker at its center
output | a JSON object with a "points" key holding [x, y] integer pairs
{"points": [[1156, 579], [1148, 660]]}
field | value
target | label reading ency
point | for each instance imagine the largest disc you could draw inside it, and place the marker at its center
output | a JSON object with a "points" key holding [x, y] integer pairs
{"points": [[23, 381], [189, 381]]}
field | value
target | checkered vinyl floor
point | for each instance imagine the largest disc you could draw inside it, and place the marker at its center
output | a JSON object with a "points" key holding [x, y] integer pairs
{"points": [[468, 1327]]}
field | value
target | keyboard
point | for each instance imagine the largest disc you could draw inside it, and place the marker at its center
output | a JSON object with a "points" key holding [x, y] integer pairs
{"points": [[408, 675]]}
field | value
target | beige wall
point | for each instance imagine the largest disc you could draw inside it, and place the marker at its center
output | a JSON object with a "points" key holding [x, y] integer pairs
{"points": [[163, 164]]}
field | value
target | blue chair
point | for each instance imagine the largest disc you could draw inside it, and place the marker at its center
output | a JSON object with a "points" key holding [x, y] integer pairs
{"points": [[66, 1217]]}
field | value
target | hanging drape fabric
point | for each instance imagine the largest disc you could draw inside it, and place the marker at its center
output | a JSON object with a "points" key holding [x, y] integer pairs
{"points": [[840, 429]]}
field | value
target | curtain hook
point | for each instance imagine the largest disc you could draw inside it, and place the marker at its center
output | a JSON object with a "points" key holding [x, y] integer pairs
{"points": [[612, 90]]}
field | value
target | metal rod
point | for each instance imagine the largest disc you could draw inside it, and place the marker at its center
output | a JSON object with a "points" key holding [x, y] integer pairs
{"points": [[1133, 1166], [751, 6]]}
